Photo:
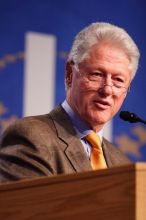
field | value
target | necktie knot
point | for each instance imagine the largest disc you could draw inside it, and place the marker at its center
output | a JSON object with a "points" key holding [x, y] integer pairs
{"points": [[94, 140], [96, 157]]}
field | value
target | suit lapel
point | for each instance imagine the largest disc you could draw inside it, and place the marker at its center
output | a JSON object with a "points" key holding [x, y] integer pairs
{"points": [[107, 154], [77, 156], [74, 150]]}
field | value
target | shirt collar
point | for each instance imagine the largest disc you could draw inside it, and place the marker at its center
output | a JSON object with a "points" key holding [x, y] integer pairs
{"points": [[80, 126]]}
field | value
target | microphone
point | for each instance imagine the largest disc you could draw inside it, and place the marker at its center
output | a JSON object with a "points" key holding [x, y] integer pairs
{"points": [[131, 117]]}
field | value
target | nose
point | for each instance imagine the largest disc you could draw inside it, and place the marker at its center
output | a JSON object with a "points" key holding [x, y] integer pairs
{"points": [[106, 90]]}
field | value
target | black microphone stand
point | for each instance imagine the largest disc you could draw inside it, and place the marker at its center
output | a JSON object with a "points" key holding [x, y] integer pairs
{"points": [[131, 117]]}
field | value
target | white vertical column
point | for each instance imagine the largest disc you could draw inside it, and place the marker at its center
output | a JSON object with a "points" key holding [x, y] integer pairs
{"points": [[39, 78]]}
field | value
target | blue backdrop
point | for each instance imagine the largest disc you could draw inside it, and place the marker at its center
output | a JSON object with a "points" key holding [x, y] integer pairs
{"points": [[64, 19]]}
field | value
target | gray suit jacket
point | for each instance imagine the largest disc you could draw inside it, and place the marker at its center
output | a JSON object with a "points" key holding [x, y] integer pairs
{"points": [[46, 145]]}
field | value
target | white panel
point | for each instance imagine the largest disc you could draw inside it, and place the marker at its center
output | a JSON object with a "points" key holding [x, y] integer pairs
{"points": [[39, 80]]}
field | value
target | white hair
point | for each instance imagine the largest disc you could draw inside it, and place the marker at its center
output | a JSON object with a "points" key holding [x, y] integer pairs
{"points": [[99, 32]]}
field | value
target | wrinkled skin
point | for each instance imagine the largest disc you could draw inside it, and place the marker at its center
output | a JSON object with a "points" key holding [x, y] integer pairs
{"points": [[97, 105]]}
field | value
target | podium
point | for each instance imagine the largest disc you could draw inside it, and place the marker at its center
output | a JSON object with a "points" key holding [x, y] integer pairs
{"points": [[117, 193]]}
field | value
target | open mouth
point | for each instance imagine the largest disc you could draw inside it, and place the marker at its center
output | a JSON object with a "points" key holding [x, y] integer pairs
{"points": [[102, 104]]}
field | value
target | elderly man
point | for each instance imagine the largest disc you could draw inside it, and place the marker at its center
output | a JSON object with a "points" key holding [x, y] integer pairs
{"points": [[100, 67]]}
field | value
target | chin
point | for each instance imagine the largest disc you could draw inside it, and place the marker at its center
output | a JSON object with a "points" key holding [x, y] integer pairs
{"points": [[99, 119]]}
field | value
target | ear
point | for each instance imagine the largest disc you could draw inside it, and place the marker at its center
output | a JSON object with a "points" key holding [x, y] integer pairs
{"points": [[68, 75]]}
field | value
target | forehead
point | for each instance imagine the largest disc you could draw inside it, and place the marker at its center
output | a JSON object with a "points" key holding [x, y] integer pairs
{"points": [[107, 57]]}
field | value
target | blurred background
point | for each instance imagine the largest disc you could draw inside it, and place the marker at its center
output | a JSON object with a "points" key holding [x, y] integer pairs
{"points": [[35, 38]]}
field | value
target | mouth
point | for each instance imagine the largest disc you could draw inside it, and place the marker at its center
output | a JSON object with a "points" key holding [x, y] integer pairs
{"points": [[101, 104]]}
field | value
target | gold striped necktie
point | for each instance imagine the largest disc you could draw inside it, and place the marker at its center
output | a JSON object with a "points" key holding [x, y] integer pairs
{"points": [[96, 158]]}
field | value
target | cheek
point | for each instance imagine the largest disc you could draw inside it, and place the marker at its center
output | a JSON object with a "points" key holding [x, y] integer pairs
{"points": [[118, 101], [79, 90], [83, 96], [86, 93], [85, 88]]}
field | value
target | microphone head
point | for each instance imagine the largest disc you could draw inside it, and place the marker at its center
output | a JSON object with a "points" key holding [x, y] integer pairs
{"points": [[130, 117]]}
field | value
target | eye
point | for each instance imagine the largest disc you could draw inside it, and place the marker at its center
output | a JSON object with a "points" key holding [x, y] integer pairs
{"points": [[118, 79], [119, 82], [96, 74]]}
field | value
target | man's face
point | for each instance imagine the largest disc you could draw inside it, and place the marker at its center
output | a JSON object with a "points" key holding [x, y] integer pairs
{"points": [[90, 92]]}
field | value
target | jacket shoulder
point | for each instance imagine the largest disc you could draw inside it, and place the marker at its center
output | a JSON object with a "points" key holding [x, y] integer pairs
{"points": [[27, 127]]}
